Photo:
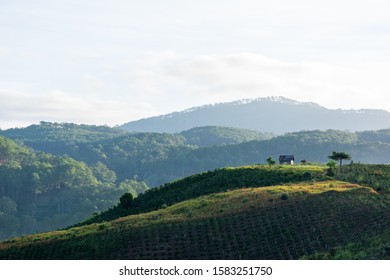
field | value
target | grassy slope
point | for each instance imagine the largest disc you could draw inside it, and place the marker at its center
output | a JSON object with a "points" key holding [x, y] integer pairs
{"points": [[219, 180], [250, 223]]}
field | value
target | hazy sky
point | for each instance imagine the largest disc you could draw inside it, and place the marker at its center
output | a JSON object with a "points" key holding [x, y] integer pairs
{"points": [[109, 62]]}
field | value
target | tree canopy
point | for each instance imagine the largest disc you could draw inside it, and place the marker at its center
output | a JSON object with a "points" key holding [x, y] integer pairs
{"points": [[340, 156]]}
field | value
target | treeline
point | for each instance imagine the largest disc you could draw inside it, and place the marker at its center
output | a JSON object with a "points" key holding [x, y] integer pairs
{"points": [[41, 192], [208, 136]]}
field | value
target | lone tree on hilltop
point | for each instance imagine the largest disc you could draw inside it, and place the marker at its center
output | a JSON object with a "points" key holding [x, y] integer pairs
{"points": [[340, 156]]}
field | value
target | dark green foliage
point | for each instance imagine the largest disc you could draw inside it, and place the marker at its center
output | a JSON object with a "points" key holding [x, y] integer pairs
{"points": [[340, 156], [126, 201], [60, 134], [284, 196], [129, 155], [41, 192], [330, 172], [270, 161], [208, 136], [377, 176]]}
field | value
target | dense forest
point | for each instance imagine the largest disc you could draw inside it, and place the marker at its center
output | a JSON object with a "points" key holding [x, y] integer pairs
{"points": [[40, 191], [208, 136]]}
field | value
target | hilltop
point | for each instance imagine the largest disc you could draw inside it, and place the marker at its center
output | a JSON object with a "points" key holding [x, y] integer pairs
{"points": [[287, 221], [272, 114]]}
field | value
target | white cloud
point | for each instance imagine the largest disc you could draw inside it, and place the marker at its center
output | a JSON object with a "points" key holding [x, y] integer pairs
{"points": [[4, 52], [91, 81], [160, 83], [199, 80], [22, 108]]}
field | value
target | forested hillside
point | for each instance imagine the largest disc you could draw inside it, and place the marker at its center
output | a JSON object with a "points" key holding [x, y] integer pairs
{"points": [[158, 158], [208, 136], [44, 133], [58, 138], [40, 192]]}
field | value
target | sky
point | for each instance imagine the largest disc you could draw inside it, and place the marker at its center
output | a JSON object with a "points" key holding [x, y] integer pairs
{"points": [[109, 62]]}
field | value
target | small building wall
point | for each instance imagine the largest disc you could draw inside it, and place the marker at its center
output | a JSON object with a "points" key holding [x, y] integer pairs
{"points": [[289, 159]]}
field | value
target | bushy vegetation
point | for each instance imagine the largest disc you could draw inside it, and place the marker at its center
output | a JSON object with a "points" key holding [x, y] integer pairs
{"points": [[377, 176], [128, 155], [249, 223]]}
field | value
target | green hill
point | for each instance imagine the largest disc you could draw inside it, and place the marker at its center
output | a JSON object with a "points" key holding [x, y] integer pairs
{"points": [[207, 136], [40, 192], [47, 132], [216, 181], [278, 222]]}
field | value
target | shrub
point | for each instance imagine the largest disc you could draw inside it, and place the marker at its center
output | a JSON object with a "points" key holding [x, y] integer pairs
{"points": [[330, 172], [126, 200]]}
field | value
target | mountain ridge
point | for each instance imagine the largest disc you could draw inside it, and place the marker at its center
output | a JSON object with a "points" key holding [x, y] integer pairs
{"points": [[275, 114]]}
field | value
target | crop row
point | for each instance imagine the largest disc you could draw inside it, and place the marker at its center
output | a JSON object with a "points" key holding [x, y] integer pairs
{"points": [[280, 231]]}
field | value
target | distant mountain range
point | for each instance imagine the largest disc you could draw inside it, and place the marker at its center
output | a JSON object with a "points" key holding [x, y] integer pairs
{"points": [[271, 114]]}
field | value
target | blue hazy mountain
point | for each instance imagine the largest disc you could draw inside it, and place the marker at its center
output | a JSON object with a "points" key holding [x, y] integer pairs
{"points": [[271, 114]]}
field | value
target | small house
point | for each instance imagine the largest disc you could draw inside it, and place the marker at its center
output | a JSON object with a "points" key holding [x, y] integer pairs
{"points": [[289, 159]]}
